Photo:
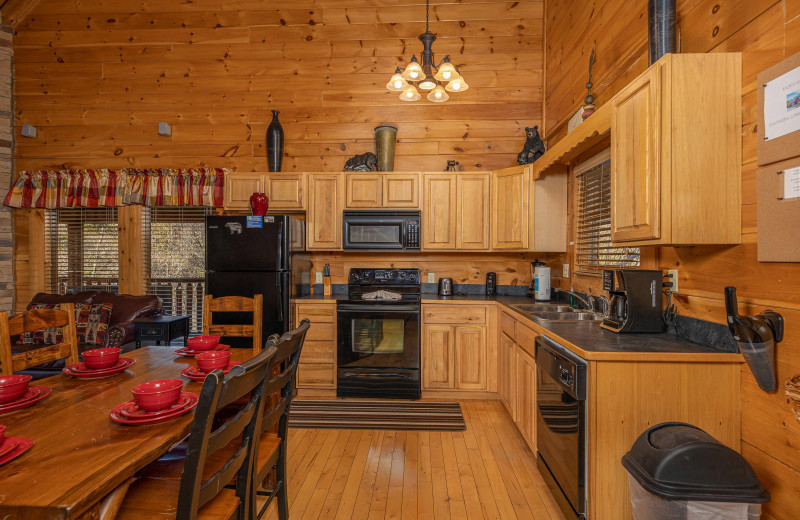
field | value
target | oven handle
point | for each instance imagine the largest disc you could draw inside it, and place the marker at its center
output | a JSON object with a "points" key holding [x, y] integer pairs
{"points": [[357, 307]]}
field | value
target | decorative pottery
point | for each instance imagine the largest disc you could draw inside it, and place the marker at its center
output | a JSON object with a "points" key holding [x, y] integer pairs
{"points": [[259, 202], [385, 140], [275, 143]]}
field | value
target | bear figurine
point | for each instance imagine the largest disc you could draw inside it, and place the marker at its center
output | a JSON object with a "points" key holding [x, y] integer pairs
{"points": [[534, 146]]}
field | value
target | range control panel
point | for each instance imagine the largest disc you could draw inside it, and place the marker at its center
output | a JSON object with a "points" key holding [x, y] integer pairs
{"points": [[362, 276]]}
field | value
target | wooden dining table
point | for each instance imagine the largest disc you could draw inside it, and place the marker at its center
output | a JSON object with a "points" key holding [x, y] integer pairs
{"points": [[82, 461]]}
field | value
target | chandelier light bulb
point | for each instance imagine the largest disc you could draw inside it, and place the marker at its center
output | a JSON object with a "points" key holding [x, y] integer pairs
{"points": [[446, 71], [414, 70], [438, 95], [410, 94], [397, 83], [457, 84], [428, 83]]}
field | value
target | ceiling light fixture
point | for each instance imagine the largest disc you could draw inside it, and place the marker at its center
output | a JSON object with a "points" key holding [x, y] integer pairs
{"points": [[438, 80]]}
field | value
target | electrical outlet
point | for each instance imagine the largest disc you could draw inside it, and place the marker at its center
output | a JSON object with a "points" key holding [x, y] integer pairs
{"points": [[565, 271], [673, 277], [319, 278], [431, 277]]}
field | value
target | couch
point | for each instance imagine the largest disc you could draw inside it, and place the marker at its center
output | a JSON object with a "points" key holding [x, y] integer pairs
{"points": [[125, 308]]}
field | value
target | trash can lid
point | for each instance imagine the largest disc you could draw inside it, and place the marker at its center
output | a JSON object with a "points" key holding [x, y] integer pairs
{"points": [[678, 461]]}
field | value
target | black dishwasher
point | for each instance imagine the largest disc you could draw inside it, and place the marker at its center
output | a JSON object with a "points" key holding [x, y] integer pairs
{"points": [[561, 425]]}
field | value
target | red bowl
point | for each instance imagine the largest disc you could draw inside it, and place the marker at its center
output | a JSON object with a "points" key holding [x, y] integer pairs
{"points": [[208, 361], [154, 396], [101, 357], [203, 342], [13, 387]]}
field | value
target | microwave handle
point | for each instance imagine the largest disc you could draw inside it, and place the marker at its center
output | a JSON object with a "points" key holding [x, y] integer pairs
{"points": [[405, 233]]}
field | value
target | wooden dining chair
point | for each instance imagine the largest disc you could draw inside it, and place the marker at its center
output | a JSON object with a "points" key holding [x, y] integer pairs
{"points": [[234, 304], [33, 320], [200, 494]]}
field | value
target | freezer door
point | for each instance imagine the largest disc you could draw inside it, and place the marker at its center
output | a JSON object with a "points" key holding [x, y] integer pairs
{"points": [[276, 288], [236, 244]]}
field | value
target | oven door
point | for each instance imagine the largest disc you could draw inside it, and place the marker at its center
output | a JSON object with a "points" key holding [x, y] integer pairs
{"points": [[378, 335], [373, 232]]}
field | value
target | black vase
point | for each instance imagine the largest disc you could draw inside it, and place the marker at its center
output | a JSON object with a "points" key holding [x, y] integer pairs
{"points": [[275, 143]]}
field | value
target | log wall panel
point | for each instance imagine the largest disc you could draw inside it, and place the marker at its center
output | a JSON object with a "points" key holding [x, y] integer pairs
{"points": [[765, 32], [96, 76]]}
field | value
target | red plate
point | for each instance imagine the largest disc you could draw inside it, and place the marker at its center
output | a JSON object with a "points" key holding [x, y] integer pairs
{"points": [[8, 444], [195, 374], [34, 394], [186, 351], [117, 416], [22, 446], [80, 370], [130, 410]]}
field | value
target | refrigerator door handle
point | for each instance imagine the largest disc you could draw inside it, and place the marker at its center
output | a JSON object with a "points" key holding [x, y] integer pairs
{"points": [[280, 297], [280, 250]]}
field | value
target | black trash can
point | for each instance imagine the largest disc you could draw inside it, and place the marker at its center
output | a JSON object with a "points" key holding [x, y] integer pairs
{"points": [[679, 472]]}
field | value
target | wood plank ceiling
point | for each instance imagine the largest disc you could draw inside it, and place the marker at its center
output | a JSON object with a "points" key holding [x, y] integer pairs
{"points": [[96, 77]]}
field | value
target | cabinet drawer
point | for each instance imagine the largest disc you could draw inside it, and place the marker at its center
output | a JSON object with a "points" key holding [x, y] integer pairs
{"points": [[151, 331], [316, 313], [507, 325], [314, 375], [318, 352], [321, 332], [526, 339], [457, 314]]}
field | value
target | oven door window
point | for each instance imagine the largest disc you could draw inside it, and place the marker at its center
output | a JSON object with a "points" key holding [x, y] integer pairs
{"points": [[378, 336]]}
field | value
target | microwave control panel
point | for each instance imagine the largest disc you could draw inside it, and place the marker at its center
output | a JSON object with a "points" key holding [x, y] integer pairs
{"points": [[412, 234]]}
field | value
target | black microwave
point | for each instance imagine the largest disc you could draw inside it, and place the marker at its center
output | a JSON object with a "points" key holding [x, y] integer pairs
{"points": [[381, 231]]}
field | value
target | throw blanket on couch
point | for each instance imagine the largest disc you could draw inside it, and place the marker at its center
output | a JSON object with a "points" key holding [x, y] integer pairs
{"points": [[91, 323]]}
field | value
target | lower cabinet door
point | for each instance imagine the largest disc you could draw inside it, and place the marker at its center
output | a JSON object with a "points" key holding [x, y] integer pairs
{"points": [[525, 410], [506, 377], [470, 358], [438, 360]]}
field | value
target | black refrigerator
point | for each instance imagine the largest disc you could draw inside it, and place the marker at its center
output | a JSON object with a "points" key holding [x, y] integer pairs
{"points": [[247, 255]]}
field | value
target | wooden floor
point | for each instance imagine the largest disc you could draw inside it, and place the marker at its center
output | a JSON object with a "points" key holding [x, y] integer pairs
{"points": [[486, 471]]}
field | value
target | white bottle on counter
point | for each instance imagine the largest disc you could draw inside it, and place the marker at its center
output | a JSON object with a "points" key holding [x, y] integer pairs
{"points": [[541, 283]]}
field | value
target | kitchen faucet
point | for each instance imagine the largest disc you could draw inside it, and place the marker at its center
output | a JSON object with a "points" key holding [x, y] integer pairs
{"points": [[588, 301]]}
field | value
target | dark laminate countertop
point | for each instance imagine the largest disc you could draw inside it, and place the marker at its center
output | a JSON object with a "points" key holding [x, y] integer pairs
{"points": [[588, 339]]}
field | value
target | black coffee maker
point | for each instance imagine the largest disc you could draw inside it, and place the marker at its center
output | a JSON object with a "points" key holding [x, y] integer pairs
{"points": [[635, 300]]}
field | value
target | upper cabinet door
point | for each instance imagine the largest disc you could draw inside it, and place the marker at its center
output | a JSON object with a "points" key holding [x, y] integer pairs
{"points": [[287, 191], [510, 199], [324, 217], [636, 160], [439, 212], [472, 215], [239, 187], [363, 190], [401, 190]]}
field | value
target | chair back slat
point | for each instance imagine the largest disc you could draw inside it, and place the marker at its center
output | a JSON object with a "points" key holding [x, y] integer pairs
{"points": [[255, 305], [241, 389], [30, 321], [289, 347]]}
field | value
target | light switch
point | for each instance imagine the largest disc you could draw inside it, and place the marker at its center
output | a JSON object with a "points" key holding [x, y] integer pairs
{"points": [[319, 277], [431, 277], [565, 271]]}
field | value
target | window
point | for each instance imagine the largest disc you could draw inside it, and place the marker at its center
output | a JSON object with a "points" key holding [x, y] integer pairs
{"points": [[175, 259], [81, 246], [593, 249]]}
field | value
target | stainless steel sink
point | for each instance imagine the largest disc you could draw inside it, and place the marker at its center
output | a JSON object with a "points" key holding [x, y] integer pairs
{"points": [[544, 307], [565, 316]]}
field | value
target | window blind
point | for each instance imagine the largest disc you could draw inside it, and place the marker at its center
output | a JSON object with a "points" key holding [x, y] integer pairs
{"points": [[81, 247], [593, 249], [174, 238]]}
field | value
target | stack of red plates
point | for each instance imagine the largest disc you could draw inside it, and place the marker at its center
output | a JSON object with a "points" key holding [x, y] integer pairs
{"points": [[13, 447], [195, 374], [34, 394], [129, 413], [81, 370], [186, 351]]}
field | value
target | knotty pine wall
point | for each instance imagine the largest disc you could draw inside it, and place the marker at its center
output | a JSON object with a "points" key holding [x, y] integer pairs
{"points": [[97, 76], [765, 32]]}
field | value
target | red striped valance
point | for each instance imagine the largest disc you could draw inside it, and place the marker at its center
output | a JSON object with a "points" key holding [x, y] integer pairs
{"points": [[95, 188]]}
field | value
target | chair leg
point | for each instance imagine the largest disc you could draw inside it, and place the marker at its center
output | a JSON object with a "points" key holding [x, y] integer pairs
{"points": [[283, 502]]}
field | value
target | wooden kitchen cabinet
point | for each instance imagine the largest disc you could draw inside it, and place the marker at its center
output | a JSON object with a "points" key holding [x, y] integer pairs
{"points": [[525, 409], [528, 214], [676, 153], [240, 186], [506, 378], [316, 369], [438, 362], [286, 191], [400, 190], [363, 190], [456, 212], [455, 347], [324, 216]]}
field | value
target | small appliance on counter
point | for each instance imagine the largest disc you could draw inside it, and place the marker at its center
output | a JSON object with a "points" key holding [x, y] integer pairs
{"points": [[445, 286], [491, 284], [635, 300], [756, 336], [540, 281]]}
